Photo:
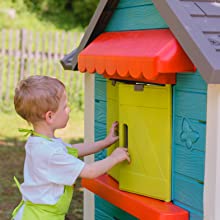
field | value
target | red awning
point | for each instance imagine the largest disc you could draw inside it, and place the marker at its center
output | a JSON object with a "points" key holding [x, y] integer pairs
{"points": [[145, 55]]}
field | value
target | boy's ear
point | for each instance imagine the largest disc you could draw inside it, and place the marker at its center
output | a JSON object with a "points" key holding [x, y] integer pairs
{"points": [[49, 117]]}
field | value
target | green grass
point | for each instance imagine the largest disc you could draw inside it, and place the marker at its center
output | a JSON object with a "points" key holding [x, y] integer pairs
{"points": [[12, 159], [10, 122]]}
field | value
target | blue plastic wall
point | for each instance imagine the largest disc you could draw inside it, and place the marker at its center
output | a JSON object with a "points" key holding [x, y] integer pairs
{"points": [[189, 132]]}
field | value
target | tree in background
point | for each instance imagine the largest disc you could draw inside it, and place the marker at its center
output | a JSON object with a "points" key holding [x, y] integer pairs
{"points": [[60, 14], [82, 10]]}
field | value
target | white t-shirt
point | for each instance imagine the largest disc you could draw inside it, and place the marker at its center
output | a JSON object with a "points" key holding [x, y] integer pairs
{"points": [[47, 169]]}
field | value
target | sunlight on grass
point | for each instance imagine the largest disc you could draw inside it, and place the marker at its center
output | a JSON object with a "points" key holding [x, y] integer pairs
{"points": [[10, 122]]}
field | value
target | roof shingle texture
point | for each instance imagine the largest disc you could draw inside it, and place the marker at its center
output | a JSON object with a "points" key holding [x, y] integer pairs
{"points": [[196, 24]]}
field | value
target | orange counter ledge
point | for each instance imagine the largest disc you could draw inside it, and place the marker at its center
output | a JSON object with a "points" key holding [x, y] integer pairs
{"points": [[141, 207]]}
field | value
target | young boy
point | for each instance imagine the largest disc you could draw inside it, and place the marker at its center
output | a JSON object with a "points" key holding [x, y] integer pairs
{"points": [[51, 166]]}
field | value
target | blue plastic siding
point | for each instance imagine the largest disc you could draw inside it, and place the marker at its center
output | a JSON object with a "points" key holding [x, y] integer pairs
{"points": [[106, 209], [189, 132], [100, 112], [135, 15]]}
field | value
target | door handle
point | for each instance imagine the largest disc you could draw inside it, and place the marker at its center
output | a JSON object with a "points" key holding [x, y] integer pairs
{"points": [[125, 135]]}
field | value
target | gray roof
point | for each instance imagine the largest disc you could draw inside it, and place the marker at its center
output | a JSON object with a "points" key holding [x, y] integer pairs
{"points": [[196, 25]]}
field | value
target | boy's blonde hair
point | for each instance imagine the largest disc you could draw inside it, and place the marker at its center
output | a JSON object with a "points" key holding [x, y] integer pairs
{"points": [[37, 95]]}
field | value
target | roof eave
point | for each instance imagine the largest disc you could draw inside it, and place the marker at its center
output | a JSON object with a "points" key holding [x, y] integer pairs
{"points": [[66, 61], [214, 77], [96, 26]]}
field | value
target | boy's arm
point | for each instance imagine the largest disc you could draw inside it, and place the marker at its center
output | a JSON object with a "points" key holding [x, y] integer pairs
{"points": [[100, 167], [85, 149]]}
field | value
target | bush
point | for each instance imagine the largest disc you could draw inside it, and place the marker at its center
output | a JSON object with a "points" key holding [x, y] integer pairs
{"points": [[60, 14], [83, 11]]}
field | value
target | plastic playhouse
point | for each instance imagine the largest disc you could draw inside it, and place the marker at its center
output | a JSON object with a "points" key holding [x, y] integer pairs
{"points": [[154, 66]]}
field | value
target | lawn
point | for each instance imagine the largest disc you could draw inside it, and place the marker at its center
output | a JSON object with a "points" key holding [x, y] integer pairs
{"points": [[12, 159]]}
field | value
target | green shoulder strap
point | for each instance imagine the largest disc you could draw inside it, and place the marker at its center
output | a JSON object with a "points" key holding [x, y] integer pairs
{"points": [[32, 132], [72, 151], [17, 183]]}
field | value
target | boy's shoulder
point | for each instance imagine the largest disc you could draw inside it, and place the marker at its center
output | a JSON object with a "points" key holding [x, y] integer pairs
{"points": [[39, 145]]}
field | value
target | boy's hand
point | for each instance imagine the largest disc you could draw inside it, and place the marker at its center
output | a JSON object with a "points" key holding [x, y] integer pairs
{"points": [[120, 154], [113, 134]]}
